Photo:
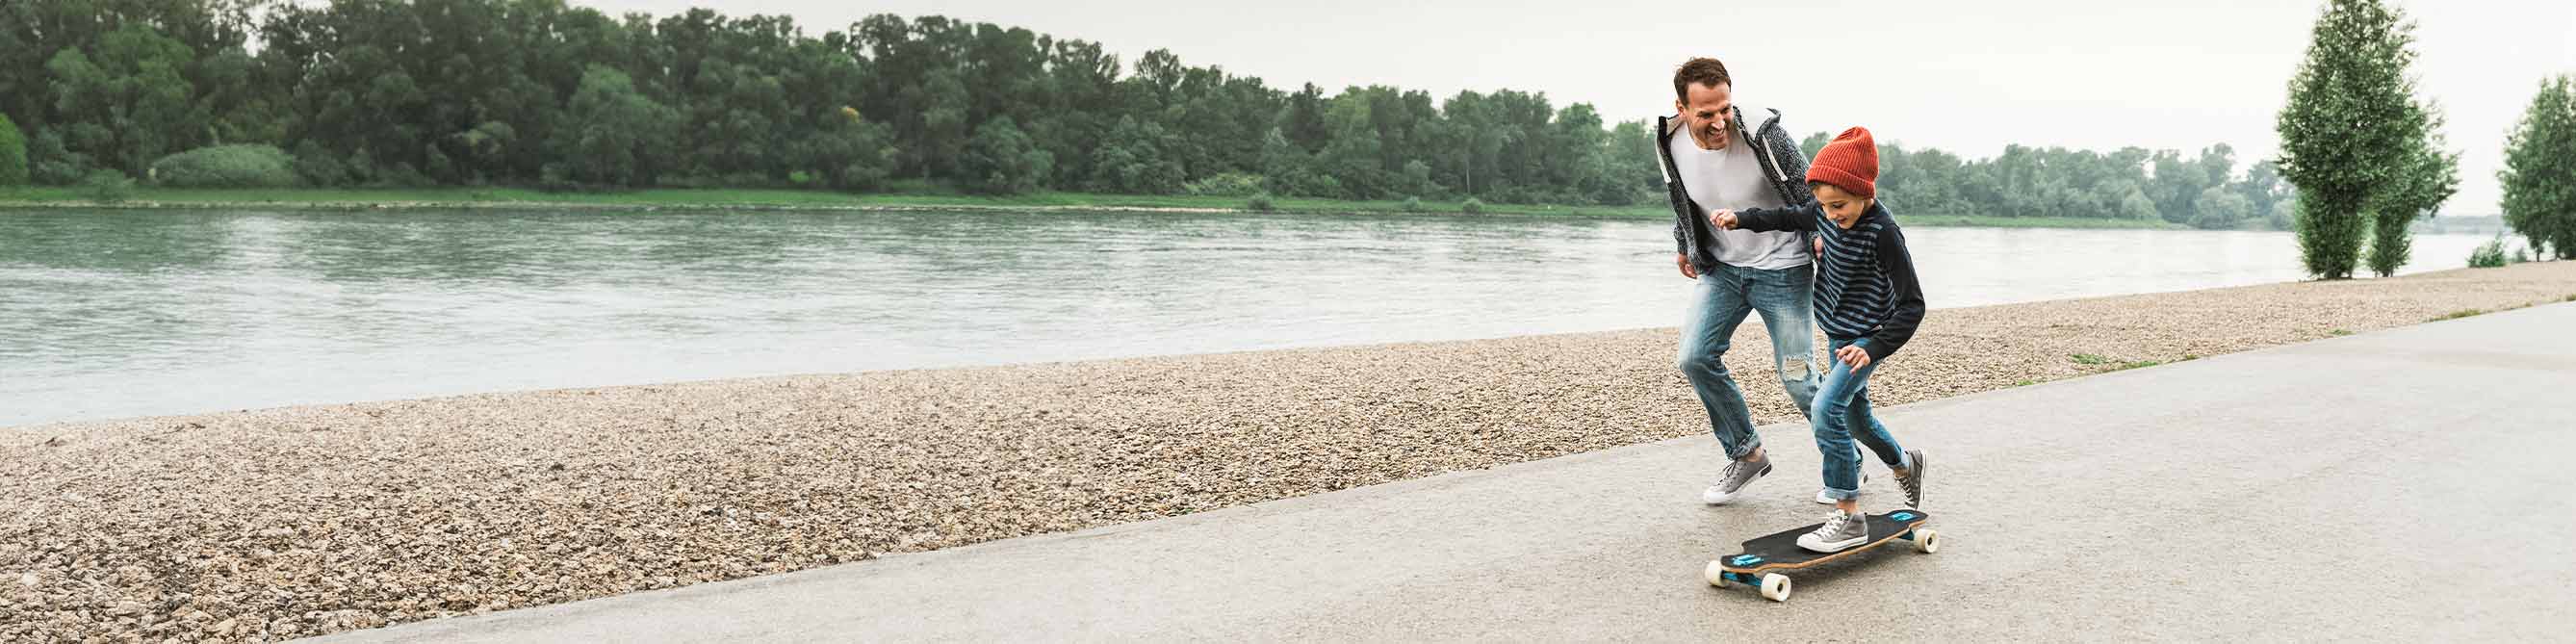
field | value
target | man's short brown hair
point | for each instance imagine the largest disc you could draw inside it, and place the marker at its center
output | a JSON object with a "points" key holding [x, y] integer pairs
{"points": [[1699, 71]]}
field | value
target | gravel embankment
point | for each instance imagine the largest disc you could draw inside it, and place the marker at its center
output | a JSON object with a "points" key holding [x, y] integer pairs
{"points": [[280, 523]]}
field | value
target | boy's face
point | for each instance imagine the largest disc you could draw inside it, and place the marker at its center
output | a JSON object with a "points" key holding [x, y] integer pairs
{"points": [[1840, 206], [1705, 109]]}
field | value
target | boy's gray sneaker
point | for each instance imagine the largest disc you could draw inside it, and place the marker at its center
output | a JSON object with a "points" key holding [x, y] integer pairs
{"points": [[1825, 499], [1840, 532], [1738, 473], [1911, 479]]}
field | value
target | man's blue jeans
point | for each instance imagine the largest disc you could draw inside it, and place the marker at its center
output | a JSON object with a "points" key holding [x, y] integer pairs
{"points": [[1840, 415], [1718, 304]]}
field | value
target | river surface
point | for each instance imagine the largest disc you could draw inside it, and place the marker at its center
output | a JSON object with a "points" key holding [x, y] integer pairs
{"points": [[116, 313]]}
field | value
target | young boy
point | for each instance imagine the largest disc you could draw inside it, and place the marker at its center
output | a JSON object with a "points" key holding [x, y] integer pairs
{"points": [[1868, 303]]}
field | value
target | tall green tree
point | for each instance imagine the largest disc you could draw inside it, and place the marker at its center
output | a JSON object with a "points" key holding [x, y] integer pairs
{"points": [[2539, 175], [128, 104], [2428, 177], [2350, 128]]}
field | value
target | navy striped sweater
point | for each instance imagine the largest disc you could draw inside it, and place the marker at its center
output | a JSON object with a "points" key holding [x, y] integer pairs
{"points": [[1865, 286]]}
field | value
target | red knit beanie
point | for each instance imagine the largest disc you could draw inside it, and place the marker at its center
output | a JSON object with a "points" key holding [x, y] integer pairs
{"points": [[1849, 163]]}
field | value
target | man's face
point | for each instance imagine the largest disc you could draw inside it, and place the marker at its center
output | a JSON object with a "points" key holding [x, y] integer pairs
{"points": [[1705, 110]]}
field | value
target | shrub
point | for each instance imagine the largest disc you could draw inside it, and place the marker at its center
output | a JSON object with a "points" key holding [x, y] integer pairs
{"points": [[1228, 184], [107, 186], [2488, 255], [318, 167], [1472, 207], [1261, 202], [1413, 204], [226, 166]]}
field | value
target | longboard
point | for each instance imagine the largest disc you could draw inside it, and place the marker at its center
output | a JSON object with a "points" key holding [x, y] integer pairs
{"points": [[1760, 564]]}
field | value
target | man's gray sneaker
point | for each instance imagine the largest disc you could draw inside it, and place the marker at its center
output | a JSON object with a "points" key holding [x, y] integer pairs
{"points": [[1840, 532], [1911, 479], [1823, 498], [1738, 474]]}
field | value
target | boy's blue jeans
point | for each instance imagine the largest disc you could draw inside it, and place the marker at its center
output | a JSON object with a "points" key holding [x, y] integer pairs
{"points": [[1840, 415], [1719, 302]]}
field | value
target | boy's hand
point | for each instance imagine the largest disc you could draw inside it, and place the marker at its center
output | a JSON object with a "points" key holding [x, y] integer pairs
{"points": [[1687, 270], [1852, 355], [1722, 219]]}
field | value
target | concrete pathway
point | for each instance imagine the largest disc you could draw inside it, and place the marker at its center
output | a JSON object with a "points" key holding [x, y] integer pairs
{"points": [[2406, 484]]}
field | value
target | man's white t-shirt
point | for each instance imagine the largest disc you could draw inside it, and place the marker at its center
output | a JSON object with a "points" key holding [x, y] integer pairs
{"points": [[1733, 179]]}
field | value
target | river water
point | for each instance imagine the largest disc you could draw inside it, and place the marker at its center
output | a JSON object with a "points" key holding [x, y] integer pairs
{"points": [[116, 313]]}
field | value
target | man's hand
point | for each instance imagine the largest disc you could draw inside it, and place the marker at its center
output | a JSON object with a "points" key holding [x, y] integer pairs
{"points": [[1853, 355], [1819, 243], [1722, 219], [1684, 261]]}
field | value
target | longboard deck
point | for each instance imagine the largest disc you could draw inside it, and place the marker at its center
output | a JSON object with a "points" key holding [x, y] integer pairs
{"points": [[1780, 551]]}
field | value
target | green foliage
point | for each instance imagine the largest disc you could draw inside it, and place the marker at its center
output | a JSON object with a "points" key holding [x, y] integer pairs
{"points": [[2488, 255], [2284, 215], [1473, 206], [318, 167], [617, 136], [1413, 204], [1261, 202], [2218, 208], [13, 154], [226, 166], [847, 152], [1132, 160], [2428, 177], [2351, 129], [1291, 170], [1000, 160], [124, 100], [2454, 315], [2089, 359], [2041, 183], [2539, 175], [1231, 184], [52, 164], [107, 186], [512, 93]]}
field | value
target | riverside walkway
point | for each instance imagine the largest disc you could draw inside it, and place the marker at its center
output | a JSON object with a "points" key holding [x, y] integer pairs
{"points": [[2392, 485]]}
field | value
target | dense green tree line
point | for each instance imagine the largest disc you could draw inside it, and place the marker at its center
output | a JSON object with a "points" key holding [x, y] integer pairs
{"points": [[535, 92], [2202, 191]]}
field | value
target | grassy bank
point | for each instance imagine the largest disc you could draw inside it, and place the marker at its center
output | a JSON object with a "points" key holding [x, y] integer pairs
{"points": [[787, 199]]}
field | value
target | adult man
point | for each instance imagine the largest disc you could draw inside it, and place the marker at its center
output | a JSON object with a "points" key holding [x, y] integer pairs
{"points": [[1724, 164]]}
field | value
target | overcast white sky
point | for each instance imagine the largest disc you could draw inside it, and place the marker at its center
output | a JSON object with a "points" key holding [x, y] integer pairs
{"points": [[1968, 77]]}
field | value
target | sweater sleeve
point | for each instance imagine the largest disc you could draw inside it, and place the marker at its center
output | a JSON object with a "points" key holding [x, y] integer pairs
{"points": [[1682, 206], [1763, 220], [1898, 265], [1793, 163]]}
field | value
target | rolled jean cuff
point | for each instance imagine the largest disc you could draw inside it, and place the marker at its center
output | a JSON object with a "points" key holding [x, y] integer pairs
{"points": [[1841, 495], [1753, 442]]}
